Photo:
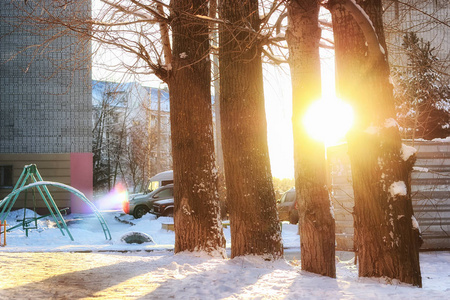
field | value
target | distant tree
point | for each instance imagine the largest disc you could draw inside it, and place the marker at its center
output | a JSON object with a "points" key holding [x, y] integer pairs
{"points": [[109, 118], [317, 227], [386, 240], [138, 152], [255, 227], [422, 97], [122, 141]]}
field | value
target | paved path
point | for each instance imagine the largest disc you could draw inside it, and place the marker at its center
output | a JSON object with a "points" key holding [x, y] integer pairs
{"points": [[62, 275]]}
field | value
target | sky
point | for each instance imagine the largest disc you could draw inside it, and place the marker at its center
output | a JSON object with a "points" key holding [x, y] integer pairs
{"points": [[278, 96], [93, 267]]}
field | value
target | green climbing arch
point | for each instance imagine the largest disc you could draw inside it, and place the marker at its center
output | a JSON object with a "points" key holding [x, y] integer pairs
{"points": [[31, 172]]}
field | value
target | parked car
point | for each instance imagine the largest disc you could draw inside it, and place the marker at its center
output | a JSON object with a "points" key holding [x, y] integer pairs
{"points": [[163, 207], [287, 207], [141, 204], [160, 179]]}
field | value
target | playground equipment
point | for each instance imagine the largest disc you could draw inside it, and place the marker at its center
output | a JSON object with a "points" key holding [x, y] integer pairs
{"points": [[4, 233], [31, 173]]}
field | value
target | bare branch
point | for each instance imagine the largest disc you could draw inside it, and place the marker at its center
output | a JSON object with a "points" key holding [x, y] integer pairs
{"points": [[276, 59], [167, 50], [424, 12]]}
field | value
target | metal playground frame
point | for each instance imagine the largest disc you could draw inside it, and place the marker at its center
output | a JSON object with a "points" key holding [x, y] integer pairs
{"points": [[30, 173]]}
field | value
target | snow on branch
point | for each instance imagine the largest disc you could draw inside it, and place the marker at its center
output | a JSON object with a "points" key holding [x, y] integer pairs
{"points": [[407, 151], [398, 188], [420, 169], [376, 51], [415, 224]]}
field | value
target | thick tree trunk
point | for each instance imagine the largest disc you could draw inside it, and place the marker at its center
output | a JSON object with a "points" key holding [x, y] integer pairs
{"points": [[255, 228], [317, 226], [197, 223], [385, 239]]}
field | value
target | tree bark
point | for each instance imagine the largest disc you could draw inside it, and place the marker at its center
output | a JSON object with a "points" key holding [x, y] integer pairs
{"points": [[385, 239], [317, 226], [196, 215], [255, 228]]}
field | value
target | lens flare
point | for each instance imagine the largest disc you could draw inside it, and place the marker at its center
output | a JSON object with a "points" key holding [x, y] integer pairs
{"points": [[328, 120], [114, 199]]}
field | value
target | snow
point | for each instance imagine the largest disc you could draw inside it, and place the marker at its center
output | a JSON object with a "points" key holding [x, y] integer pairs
{"points": [[390, 123], [447, 139], [407, 151], [398, 188], [92, 267], [415, 223], [421, 169]]}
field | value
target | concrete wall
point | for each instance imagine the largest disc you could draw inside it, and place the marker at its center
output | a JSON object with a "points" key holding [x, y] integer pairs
{"points": [[52, 167], [45, 100]]}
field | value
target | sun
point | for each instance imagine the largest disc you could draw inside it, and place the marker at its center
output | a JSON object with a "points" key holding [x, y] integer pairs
{"points": [[328, 120]]}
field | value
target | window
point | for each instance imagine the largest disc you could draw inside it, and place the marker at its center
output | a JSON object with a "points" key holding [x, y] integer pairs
{"points": [[283, 198], [290, 196], [166, 182], [166, 193], [6, 180]]}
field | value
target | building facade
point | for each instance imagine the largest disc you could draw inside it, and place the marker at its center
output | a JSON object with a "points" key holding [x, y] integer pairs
{"points": [[45, 105]]}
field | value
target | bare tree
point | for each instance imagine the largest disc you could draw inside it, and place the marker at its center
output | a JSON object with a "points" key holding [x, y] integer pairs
{"points": [[110, 116], [195, 177], [317, 227], [251, 200], [385, 238]]}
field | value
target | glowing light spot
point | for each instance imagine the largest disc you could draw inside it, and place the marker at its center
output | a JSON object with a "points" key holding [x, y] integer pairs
{"points": [[328, 120], [114, 199]]}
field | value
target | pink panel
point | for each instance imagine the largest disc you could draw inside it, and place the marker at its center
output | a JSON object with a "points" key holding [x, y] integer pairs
{"points": [[81, 178]]}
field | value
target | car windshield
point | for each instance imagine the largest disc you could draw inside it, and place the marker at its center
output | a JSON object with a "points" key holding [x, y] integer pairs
{"points": [[165, 193], [283, 198], [290, 196]]}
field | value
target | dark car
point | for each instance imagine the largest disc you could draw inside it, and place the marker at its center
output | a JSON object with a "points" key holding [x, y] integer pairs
{"points": [[287, 207], [163, 208], [141, 204]]}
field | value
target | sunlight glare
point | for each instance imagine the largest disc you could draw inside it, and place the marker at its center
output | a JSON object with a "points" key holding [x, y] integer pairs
{"points": [[114, 199], [328, 120]]}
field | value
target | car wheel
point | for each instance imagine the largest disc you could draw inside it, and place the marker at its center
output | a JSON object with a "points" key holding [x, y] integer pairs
{"points": [[293, 216], [139, 212]]}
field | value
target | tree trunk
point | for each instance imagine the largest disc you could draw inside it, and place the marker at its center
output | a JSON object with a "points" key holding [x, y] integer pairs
{"points": [[216, 85], [197, 223], [385, 239], [317, 226], [255, 227]]}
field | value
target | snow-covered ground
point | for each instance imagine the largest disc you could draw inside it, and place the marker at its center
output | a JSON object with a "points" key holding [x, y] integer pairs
{"points": [[48, 265], [88, 234]]}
